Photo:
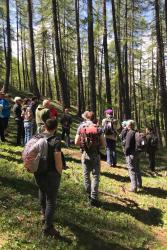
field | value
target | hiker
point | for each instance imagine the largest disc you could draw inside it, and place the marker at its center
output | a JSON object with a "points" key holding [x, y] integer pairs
{"points": [[66, 121], [7, 110], [152, 144], [33, 105], [123, 134], [49, 181], [17, 111], [110, 133], [132, 158], [89, 137], [42, 114], [28, 119], [2, 118]]}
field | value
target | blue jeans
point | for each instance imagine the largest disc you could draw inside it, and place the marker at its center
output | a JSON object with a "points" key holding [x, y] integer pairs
{"points": [[28, 129], [48, 184], [111, 152], [91, 164]]}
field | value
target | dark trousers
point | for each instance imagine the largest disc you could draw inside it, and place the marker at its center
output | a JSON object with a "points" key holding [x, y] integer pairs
{"points": [[66, 132], [48, 184], [20, 131], [151, 159], [2, 129], [6, 120]]}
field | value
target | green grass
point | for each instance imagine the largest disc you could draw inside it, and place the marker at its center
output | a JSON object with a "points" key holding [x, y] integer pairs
{"points": [[124, 220]]}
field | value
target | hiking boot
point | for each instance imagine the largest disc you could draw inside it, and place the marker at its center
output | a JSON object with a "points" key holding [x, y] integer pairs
{"points": [[51, 232]]}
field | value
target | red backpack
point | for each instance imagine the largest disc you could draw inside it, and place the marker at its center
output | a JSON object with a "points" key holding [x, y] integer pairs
{"points": [[89, 137]]}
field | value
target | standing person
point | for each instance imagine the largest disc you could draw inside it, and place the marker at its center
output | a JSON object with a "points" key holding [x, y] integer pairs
{"points": [[89, 137], [132, 157], [110, 133], [152, 144], [42, 114], [49, 181], [33, 106], [7, 110], [66, 121], [123, 134], [28, 118], [17, 111], [2, 118]]}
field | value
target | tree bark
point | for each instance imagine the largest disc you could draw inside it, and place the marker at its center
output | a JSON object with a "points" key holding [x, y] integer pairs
{"points": [[9, 51], [92, 83], [105, 46], [61, 71], [120, 73], [80, 93], [161, 63], [32, 51]]}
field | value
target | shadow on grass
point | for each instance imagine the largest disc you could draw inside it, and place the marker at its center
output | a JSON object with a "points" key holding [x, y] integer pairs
{"points": [[158, 192], [116, 177], [11, 158], [151, 217], [89, 240], [21, 186]]}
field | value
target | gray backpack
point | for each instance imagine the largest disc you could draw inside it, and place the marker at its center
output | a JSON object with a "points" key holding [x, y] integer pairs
{"points": [[35, 154]]}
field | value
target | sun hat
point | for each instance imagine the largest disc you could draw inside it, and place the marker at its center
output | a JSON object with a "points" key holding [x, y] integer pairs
{"points": [[17, 98], [84, 115]]}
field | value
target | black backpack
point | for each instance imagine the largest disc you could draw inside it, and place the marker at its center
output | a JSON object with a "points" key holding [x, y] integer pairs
{"points": [[154, 141]]}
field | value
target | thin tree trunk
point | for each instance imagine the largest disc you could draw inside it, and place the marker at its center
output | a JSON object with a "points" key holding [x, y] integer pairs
{"points": [[105, 46], [9, 51], [18, 49], [62, 76], [161, 63], [80, 94], [32, 51], [92, 83], [120, 73]]}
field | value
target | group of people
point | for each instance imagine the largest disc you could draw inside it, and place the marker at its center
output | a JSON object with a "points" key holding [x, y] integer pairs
{"points": [[30, 117], [34, 118]]}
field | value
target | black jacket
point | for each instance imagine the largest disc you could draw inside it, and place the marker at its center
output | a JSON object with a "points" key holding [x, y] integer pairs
{"points": [[130, 144]]}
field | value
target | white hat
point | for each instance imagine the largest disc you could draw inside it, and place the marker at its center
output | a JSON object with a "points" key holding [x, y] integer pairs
{"points": [[17, 98], [84, 114]]}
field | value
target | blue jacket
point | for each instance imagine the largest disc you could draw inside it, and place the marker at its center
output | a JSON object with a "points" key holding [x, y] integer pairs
{"points": [[5, 113]]}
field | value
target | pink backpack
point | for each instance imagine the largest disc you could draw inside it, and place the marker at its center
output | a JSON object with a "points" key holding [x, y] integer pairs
{"points": [[35, 154]]}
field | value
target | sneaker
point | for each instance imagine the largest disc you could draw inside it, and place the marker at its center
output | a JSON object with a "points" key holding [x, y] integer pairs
{"points": [[51, 232]]}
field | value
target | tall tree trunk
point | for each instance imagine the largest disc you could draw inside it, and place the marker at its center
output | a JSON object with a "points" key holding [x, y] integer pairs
{"points": [[9, 51], [118, 53], [22, 56], [166, 17], [80, 93], [105, 46], [32, 51], [126, 62], [55, 73], [161, 63], [62, 75], [92, 83], [18, 49]]}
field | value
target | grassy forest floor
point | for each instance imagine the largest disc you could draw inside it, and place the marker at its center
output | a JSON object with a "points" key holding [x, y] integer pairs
{"points": [[124, 220]]}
